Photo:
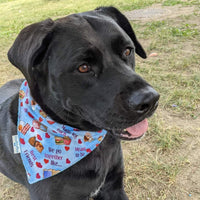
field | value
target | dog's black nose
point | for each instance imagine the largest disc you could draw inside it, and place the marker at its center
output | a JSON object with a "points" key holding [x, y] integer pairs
{"points": [[143, 100]]}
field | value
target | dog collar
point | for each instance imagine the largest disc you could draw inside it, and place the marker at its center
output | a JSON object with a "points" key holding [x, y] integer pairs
{"points": [[47, 147]]}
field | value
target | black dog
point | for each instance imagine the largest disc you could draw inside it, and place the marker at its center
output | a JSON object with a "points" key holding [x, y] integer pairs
{"points": [[80, 70]]}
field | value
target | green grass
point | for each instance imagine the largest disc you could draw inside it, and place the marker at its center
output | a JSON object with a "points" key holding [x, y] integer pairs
{"points": [[153, 164], [16, 14], [165, 138], [184, 31], [181, 2], [167, 33], [176, 69]]}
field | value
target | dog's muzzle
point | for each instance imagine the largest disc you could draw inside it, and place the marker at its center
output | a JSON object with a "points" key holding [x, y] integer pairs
{"points": [[142, 102]]}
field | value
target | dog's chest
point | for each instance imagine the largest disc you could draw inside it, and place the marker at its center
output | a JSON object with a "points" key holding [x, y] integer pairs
{"points": [[95, 192]]}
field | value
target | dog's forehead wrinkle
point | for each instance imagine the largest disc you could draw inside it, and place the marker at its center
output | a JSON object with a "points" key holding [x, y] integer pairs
{"points": [[109, 27], [100, 26], [80, 24], [95, 19], [73, 19], [78, 38]]}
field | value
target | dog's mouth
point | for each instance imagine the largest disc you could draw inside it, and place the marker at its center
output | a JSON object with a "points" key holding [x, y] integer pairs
{"points": [[133, 132]]}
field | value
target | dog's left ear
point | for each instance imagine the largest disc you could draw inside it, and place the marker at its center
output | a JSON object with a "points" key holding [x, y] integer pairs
{"points": [[30, 47], [123, 22]]}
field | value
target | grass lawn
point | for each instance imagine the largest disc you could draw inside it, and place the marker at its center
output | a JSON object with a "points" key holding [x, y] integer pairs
{"points": [[164, 164]]}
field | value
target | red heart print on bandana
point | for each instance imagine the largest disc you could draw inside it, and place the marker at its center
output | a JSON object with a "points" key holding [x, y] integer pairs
{"points": [[47, 135], [68, 161], [46, 161], [88, 150], [38, 164], [38, 176], [22, 141], [50, 122], [67, 148], [39, 137], [30, 115], [40, 119], [79, 141]]}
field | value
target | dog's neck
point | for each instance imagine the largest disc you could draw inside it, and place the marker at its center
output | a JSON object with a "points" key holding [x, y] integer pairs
{"points": [[71, 119], [60, 115]]}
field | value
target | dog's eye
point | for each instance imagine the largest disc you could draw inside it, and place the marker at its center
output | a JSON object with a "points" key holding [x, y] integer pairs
{"points": [[84, 68], [127, 52]]}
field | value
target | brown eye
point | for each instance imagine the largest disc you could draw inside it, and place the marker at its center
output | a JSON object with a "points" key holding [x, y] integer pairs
{"points": [[127, 52], [84, 68]]}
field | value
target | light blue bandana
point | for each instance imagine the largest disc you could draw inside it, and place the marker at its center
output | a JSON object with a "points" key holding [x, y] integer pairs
{"points": [[47, 147]]}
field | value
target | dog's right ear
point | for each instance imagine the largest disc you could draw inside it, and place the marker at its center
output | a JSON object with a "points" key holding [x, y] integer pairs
{"points": [[123, 22], [30, 47]]}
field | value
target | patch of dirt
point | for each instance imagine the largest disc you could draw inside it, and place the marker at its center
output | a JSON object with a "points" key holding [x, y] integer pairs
{"points": [[11, 190], [175, 120], [187, 183], [158, 12], [188, 180]]}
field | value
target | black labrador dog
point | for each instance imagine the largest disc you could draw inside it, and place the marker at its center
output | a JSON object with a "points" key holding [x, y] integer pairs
{"points": [[81, 71]]}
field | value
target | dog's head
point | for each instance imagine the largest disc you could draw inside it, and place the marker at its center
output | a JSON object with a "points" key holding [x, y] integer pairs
{"points": [[81, 70]]}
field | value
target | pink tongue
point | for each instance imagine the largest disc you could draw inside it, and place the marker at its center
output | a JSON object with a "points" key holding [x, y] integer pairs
{"points": [[138, 129]]}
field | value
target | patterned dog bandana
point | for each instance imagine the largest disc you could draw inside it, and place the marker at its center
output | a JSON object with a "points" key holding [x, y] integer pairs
{"points": [[48, 147]]}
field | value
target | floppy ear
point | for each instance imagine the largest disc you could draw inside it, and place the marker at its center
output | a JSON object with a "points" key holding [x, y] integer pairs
{"points": [[29, 48], [123, 22]]}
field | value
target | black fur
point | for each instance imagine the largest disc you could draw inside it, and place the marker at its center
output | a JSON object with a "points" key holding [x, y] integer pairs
{"points": [[110, 96]]}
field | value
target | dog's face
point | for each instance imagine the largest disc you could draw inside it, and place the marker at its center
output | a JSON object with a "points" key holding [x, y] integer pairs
{"points": [[81, 70]]}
